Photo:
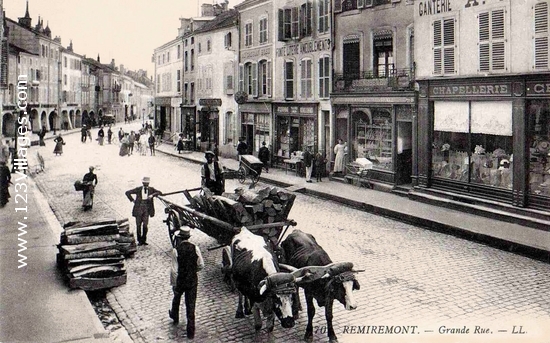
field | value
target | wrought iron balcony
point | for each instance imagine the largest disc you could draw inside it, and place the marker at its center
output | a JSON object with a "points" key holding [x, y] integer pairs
{"points": [[370, 81]]}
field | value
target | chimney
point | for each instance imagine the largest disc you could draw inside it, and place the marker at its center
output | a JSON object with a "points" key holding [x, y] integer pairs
{"points": [[113, 65], [207, 10]]}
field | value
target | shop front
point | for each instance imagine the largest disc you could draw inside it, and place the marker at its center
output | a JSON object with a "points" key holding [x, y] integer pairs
{"points": [[256, 125], [209, 120], [488, 138], [378, 128], [295, 129], [163, 118], [188, 114]]}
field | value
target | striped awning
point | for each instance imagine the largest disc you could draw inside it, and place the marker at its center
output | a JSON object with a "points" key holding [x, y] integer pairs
{"points": [[383, 34], [351, 39]]}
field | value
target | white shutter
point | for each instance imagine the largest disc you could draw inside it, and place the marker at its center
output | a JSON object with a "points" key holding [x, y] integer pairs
{"points": [[437, 47], [541, 35], [484, 44], [268, 81], [241, 77], [320, 13], [255, 80], [497, 37], [449, 46]]}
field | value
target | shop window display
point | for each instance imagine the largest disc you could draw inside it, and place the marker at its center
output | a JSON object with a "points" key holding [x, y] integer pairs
{"points": [[293, 134], [373, 138], [539, 147], [473, 143]]}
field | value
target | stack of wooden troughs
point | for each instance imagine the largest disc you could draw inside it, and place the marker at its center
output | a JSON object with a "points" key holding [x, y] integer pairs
{"points": [[91, 254]]}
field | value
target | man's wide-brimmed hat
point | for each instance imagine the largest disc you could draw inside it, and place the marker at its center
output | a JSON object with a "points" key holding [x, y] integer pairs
{"points": [[91, 168], [209, 153], [146, 179], [184, 232]]}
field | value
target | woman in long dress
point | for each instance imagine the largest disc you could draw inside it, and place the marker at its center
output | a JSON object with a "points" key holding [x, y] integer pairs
{"points": [[339, 150], [125, 145], [59, 142]]}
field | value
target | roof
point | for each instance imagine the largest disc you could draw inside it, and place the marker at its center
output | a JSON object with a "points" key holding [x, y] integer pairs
{"points": [[14, 48], [225, 19]]}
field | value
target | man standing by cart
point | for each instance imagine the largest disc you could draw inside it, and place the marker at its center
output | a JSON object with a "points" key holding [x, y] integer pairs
{"points": [[211, 173], [143, 207], [186, 262]]}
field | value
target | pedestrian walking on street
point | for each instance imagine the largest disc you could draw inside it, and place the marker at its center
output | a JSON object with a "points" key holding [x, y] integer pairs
{"points": [[151, 142], [41, 135], [144, 207], [131, 141], [100, 135], [242, 148], [180, 145], [89, 133], [5, 180], [109, 135], [320, 166], [90, 181], [308, 163], [59, 142], [124, 145], [83, 134], [186, 262], [211, 174], [263, 155], [120, 135]]}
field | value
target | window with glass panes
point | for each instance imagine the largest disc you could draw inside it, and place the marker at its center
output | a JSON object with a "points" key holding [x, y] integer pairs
{"points": [[264, 76], [263, 30], [248, 34], [289, 79], [324, 10]]}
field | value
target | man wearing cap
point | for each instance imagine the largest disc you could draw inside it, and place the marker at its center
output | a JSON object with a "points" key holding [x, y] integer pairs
{"points": [[143, 207], [90, 180], [187, 261], [211, 173], [263, 155], [308, 162]]}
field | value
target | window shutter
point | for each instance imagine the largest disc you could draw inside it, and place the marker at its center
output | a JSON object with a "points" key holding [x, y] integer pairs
{"points": [[241, 77], [449, 46], [281, 25], [437, 47], [255, 80], [268, 82], [337, 6], [303, 92], [302, 21], [360, 3], [320, 13], [541, 35], [309, 18], [484, 58], [294, 23], [498, 48]]}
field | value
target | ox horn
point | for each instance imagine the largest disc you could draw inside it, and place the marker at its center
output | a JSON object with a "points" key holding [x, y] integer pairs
{"points": [[263, 287]]}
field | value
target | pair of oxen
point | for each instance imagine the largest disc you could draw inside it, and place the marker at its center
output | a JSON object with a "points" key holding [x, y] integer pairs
{"points": [[268, 280]]}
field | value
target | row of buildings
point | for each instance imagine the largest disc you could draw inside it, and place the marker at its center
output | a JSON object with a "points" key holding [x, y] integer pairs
{"points": [[64, 89], [451, 96]]}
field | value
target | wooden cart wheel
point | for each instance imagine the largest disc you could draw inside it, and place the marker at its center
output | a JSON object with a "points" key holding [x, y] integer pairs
{"points": [[173, 223], [226, 267], [255, 177], [242, 174]]}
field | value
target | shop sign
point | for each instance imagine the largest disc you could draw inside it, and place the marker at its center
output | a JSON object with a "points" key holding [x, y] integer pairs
{"points": [[212, 102], [295, 109], [538, 88], [304, 48], [432, 7], [255, 53], [481, 89], [163, 101]]}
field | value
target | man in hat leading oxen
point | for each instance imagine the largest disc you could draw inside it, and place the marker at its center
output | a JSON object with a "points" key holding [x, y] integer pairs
{"points": [[186, 262], [143, 207], [211, 173]]}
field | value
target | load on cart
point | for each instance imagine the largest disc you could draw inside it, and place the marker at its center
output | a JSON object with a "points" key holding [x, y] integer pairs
{"points": [[249, 166]]}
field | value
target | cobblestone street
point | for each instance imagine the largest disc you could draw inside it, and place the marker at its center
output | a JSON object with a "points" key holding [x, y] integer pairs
{"points": [[412, 276]]}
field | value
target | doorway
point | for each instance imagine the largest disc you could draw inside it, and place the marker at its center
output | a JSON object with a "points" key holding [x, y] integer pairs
{"points": [[404, 153]]}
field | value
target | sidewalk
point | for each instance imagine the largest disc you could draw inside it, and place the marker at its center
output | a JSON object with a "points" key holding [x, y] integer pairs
{"points": [[35, 303], [501, 234]]}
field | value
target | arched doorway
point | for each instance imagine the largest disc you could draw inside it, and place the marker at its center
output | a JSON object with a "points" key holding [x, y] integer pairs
{"points": [[92, 120], [71, 119], [35, 122], [53, 120], [43, 121], [64, 120], [8, 125], [78, 119]]}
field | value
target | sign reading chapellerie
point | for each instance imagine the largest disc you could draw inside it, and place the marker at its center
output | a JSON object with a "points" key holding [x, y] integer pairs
{"points": [[540, 88], [480, 89]]}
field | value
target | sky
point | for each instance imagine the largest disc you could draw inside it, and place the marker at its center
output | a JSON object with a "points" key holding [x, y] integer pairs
{"points": [[126, 30]]}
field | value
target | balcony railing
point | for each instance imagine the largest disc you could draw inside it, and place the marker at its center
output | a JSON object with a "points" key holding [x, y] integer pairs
{"points": [[370, 81]]}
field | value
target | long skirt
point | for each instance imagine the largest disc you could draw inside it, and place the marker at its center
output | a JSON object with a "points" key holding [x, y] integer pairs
{"points": [[124, 149], [339, 163], [58, 148], [88, 198], [100, 139]]}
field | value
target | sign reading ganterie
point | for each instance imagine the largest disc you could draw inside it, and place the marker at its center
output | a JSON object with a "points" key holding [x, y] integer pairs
{"points": [[212, 102], [481, 89]]}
